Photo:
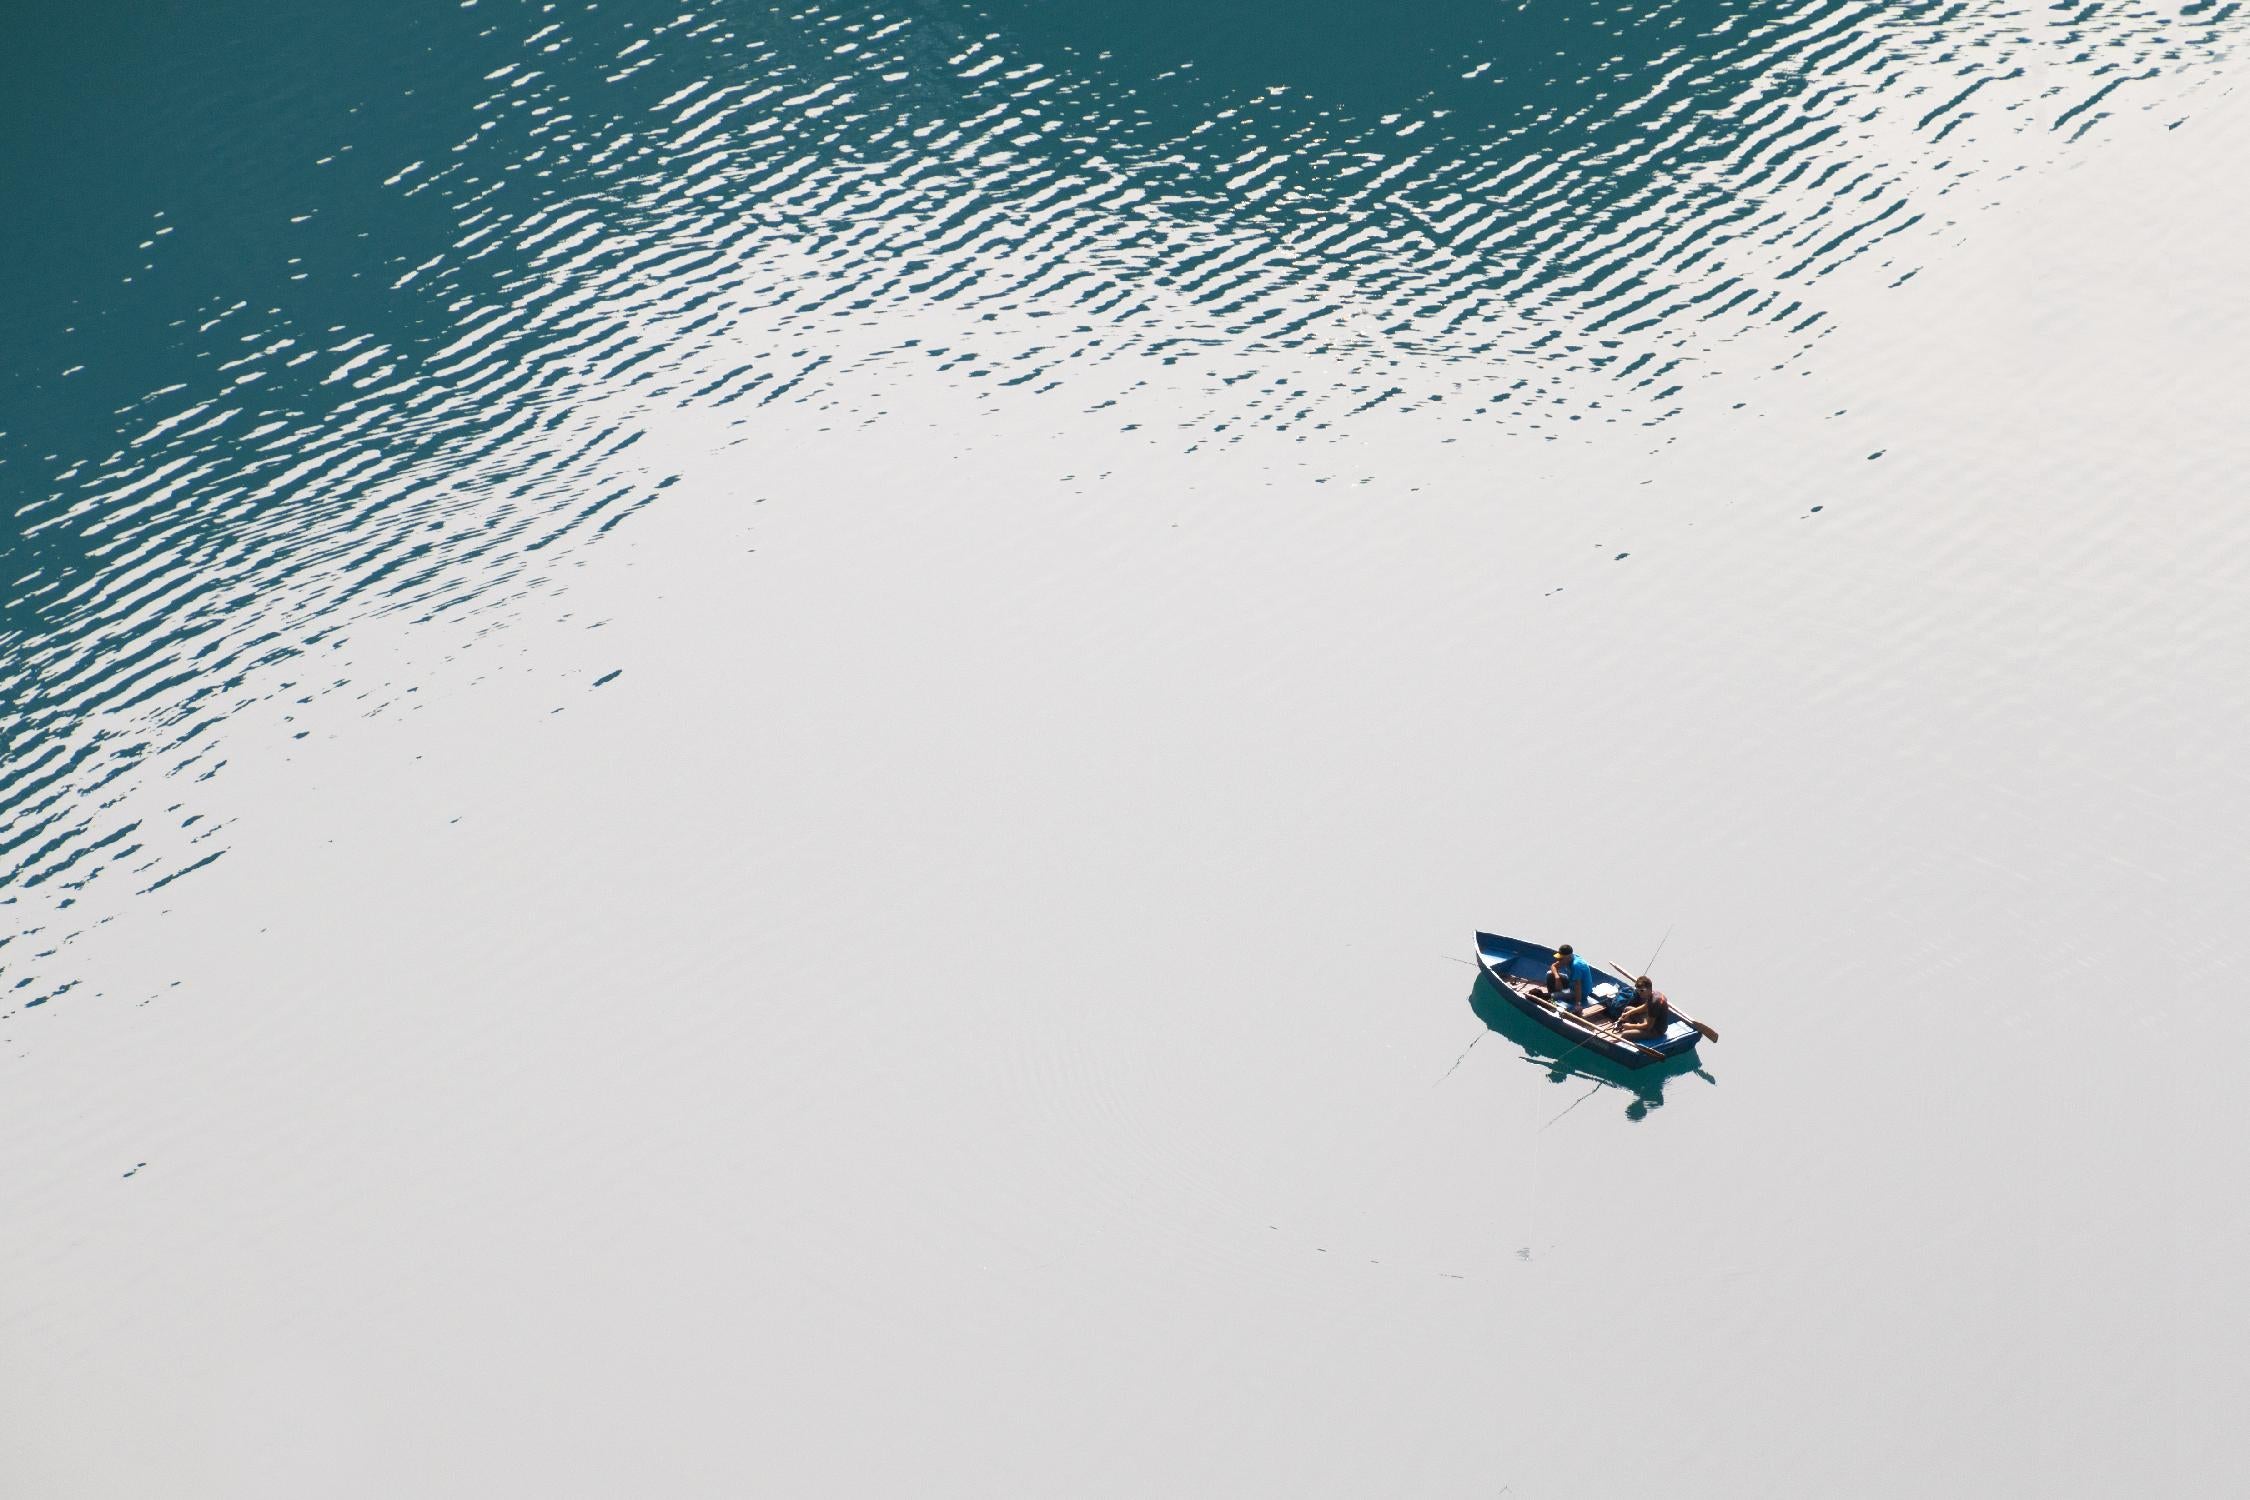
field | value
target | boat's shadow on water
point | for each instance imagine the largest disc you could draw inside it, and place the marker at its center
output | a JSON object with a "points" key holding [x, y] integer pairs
{"points": [[1562, 1061]]}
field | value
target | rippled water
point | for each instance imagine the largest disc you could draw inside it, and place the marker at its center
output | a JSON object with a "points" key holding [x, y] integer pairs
{"points": [[403, 306], [332, 345]]}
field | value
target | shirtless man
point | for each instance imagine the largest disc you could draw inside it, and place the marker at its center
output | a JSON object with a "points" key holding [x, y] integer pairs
{"points": [[1647, 1015]]}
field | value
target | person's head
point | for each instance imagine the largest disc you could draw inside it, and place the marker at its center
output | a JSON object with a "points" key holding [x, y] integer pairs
{"points": [[1563, 954], [1643, 988]]}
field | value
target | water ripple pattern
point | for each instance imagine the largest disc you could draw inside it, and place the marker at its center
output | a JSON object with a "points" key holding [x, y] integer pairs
{"points": [[405, 368]]}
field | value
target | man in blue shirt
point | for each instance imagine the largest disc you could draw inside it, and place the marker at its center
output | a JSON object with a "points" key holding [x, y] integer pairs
{"points": [[1569, 979]]}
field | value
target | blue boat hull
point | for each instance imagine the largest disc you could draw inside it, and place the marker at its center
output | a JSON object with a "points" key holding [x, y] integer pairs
{"points": [[1509, 963]]}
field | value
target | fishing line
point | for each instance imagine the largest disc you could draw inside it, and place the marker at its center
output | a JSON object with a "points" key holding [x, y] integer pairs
{"points": [[1581, 1099], [1465, 1051]]}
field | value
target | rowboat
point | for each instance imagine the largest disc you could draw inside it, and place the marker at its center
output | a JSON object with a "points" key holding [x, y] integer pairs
{"points": [[1518, 970]]}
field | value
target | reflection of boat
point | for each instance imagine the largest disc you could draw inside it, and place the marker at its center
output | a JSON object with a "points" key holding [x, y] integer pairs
{"points": [[1561, 1061], [1517, 970]]}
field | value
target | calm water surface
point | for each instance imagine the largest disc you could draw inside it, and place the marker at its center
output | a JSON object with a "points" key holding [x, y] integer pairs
{"points": [[751, 747]]}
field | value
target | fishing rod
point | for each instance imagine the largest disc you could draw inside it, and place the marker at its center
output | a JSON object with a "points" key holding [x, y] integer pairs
{"points": [[1650, 966]]}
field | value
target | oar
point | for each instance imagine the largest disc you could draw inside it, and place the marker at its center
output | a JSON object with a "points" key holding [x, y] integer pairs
{"points": [[1605, 1032]]}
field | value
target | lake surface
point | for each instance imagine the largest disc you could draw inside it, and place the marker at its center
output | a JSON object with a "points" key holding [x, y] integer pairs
{"points": [[750, 750]]}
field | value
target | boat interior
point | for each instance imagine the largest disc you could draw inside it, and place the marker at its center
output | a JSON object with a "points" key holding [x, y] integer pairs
{"points": [[1512, 959]]}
